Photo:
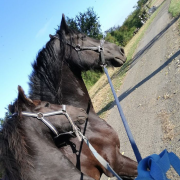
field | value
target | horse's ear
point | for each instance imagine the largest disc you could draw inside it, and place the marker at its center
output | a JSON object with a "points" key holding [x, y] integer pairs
{"points": [[64, 26], [36, 102], [22, 98], [51, 37], [11, 108]]}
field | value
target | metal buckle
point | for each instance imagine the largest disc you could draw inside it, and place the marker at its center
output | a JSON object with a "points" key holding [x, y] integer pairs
{"points": [[103, 65], [64, 108], [78, 47], [40, 115], [100, 49]]}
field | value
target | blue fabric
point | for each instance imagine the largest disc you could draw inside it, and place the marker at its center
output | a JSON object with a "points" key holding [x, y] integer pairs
{"points": [[154, 167]]}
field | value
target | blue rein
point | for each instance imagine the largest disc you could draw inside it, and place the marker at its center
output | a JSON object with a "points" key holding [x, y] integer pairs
{"points": [[153, 167], [128, 131]]}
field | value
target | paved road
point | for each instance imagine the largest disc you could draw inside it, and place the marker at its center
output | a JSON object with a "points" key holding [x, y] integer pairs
{"points": [[149, 94]]}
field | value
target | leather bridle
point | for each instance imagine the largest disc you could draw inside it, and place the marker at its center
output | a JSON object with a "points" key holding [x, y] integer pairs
{"points": [[41, 116], [99, 49]]}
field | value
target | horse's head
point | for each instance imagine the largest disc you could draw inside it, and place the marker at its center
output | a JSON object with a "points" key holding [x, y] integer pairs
{"points": [[85, 59], [27, 145], [31, 112]]}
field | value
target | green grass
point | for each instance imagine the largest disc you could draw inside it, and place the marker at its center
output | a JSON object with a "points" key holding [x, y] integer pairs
{"points": [[152, 3], [174, 8]]}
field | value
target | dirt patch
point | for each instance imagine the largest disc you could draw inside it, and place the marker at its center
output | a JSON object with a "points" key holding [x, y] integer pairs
{"points": [[167, 126]]}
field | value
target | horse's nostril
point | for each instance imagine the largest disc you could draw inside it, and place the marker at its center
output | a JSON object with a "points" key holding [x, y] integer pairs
{"points": [[117, 58], [47, 105], [122, 51]]}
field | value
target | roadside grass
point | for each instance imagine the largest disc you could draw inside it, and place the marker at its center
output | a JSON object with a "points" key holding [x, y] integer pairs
{"points": [[152, 3], [155, 3], [100, 93], [174, 8]]}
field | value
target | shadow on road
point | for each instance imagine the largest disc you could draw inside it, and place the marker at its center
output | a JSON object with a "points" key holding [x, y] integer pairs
{"points": [[132, 62], [126, 93]]}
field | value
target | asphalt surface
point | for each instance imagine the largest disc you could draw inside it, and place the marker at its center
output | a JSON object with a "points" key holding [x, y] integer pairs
{"points": [[150, 94]]}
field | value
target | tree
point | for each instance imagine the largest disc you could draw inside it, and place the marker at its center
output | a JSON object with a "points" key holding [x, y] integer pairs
{"points": [[7, 113], [122, 35], [87, 23], [1, 121], [141, 3]]}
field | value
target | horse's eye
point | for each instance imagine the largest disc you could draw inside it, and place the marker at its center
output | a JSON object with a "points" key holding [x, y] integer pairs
{"points": [[47, 105], [83, 37]]}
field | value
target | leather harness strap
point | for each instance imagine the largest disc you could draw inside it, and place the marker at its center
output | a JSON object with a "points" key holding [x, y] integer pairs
{"points": [[40, 116]]}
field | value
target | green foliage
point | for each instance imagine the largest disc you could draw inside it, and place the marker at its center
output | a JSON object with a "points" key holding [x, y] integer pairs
{"points": [[90, 78], [72, 24], [122, 35], [1, 121], [174, 8], [7, 113], [141, 3], [87, 23], [110, 38]]}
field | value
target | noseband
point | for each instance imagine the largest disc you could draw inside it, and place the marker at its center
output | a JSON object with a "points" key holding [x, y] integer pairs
{"points": [[98, 49], [78, 48], [40, 116]]}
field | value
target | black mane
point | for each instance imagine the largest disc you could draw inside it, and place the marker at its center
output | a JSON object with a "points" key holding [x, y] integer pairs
{"points": [[14, 151], [46, 77]]}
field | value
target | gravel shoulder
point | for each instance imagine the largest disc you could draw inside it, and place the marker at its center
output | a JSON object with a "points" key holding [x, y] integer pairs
{"points": [[150, 94]]}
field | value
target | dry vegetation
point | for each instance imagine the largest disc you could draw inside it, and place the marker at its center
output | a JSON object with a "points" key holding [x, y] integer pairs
{"points": [[167, 126]]}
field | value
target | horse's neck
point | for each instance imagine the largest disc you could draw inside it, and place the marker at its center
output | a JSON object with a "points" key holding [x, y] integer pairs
{"points": [[74, 91], [63, 85]]}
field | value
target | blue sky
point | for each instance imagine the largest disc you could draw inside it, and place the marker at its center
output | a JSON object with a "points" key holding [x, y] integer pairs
{"points": [[25, 27]]}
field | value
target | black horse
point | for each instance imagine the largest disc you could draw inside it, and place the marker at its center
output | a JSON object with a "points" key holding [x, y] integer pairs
{"points": [[27, 147], [56, 78]]}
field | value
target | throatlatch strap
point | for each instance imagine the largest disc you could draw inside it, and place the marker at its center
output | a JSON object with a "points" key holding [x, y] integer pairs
{"points": [[154, 167]]}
